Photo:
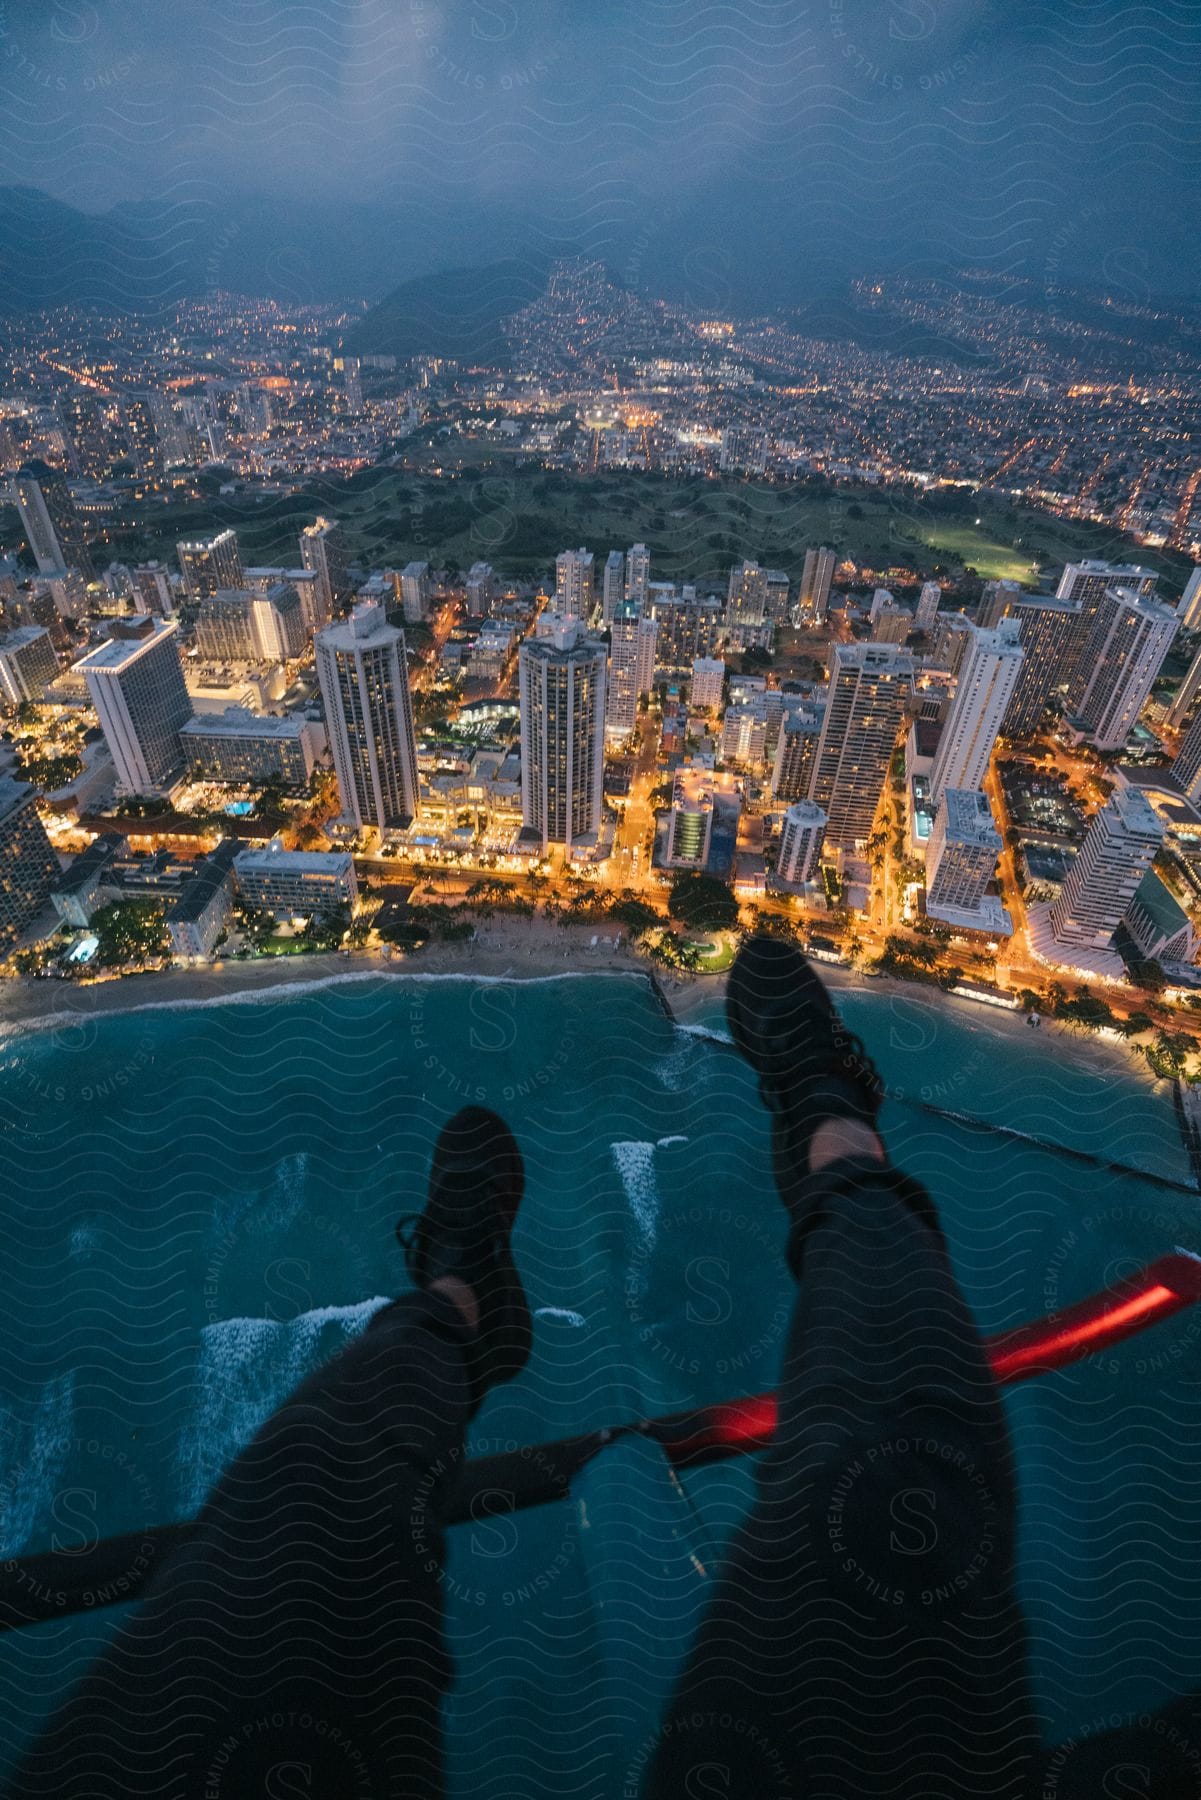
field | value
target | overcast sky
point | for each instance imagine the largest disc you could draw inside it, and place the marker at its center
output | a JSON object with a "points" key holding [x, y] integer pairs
{"points": [[777, 139]]}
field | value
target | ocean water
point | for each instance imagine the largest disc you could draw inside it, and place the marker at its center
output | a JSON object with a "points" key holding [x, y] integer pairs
{"points": [[199, 1202]]}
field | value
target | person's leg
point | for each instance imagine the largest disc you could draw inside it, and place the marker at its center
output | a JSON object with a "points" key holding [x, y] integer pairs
{"points": [[863, 1638], [295, 1645]]}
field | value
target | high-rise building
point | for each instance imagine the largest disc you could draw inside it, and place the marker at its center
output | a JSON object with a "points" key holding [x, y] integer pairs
{"points": [[817, 577], [1186, 694], [1046, 632], [240, 746], [574, 593], [323, 551], [952, 641], [690, 828], [363, 670], [927, 606], [708, 678], [29, 869], [1188, 609], [638, 571], [137, 687], [416, 587], [796, 751], [893, 625], [883, 600], [613, 581], [631, 668], [746, 599], [744, 736], [997, 601], [51, 523], [208, 564], [1186, 770], [562, 694], [961, 856], [27, 663], [775, 601], [152, 586], [986, 685], [689, 625], [481, 590], [84, 417], [1086, 583], [870, 686], [1117, 851], [801, 838], [1126, 648]]}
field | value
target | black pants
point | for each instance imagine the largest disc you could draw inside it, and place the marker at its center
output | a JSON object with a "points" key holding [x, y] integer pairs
{"points": [[863, 1638]]}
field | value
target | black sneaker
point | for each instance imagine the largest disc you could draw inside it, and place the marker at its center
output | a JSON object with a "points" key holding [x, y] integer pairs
{"points": [[810, 1068], [476, 1182], [809, 1065]]}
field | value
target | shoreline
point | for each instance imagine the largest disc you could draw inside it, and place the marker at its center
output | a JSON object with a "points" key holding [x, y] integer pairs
{"points": [[504, 949]]}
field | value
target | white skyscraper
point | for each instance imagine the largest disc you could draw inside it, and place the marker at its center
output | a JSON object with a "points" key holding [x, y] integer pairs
{"points": [[363, 670], [631, 668], [927, 606], [416, 586], [1186, 694], [27, 663], [1086, 583], [801, 839], [323, 553], [708, 676], [882, 601], [137, 687], [746, 599], [870, 685], [563, 736], [209, 564], [613, 585], [1188, 610], [638, 571], [1117, 852], [1187, 767], [1125, 651], [817, 577], [961, 856], [574, 590], [987, 679]]}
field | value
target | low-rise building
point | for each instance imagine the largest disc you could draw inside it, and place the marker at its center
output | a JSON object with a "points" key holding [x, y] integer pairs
{"points": [[79, 891], [296, 883], [198, 917]]}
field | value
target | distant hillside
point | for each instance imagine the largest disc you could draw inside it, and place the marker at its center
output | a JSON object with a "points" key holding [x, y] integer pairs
{"points": [[456, 314]]}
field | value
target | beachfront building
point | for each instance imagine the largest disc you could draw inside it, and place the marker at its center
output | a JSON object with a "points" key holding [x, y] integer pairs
{"points": [[801, 838], [29, 869], [1117, 852], [961, 860], [296, 884], [201, 913], [562, 699], [364, 675], [136, 685], [690, 828]]}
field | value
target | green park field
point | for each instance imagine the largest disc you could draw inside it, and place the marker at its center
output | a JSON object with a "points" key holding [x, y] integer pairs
{"points": [[518, 518]]}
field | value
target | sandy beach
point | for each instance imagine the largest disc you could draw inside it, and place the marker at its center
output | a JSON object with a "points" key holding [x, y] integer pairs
{"points": [[504, 949]]}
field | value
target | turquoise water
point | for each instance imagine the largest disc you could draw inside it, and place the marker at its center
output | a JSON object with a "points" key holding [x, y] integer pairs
{"points": [[199, 1204]]}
